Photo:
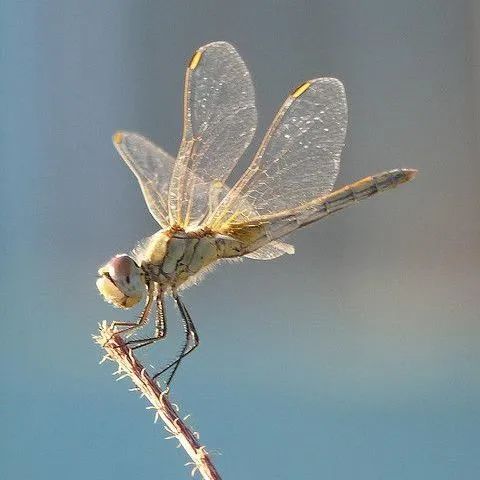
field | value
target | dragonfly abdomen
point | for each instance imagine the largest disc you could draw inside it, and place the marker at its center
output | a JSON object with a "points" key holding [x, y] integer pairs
{"points": [[282, 224], [360, 190]]}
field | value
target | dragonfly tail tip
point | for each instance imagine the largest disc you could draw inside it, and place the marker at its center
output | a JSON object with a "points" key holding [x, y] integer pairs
{"points": [[409, 174]]}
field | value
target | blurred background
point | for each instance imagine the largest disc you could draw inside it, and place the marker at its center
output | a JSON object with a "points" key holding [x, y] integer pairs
{"points": [[358, 357]]}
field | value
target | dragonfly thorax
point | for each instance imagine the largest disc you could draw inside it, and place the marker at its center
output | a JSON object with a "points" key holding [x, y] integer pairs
{"points": [[171, 257]]}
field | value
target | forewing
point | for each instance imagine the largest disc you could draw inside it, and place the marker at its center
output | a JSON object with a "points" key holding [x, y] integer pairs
{"points": [[298, 159], [153, 168], [219, 122]]}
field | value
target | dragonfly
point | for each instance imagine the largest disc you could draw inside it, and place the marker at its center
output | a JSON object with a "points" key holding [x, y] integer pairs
{"points": [[288, 185]]}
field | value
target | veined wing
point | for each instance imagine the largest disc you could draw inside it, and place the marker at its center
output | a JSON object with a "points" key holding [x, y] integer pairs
{"points": [[298, 159], [219, 122], [273, 249], [263, 230], [153, 168]]}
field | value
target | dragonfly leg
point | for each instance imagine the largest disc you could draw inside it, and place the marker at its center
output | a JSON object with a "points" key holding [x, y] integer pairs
{"points": [[191, 340], [160, 326], [129, 326]]}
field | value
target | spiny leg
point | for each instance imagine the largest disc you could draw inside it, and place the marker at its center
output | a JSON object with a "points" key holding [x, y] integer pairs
{"points": [[160, 326], [190, 335], [143, 316], [191, 338]]}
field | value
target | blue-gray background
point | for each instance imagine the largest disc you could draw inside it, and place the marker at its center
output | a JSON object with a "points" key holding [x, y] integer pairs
{"points": [[356, 358]]}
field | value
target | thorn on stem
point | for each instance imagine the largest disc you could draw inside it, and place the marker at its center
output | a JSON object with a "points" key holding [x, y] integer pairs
{"points": [[104, 359]]}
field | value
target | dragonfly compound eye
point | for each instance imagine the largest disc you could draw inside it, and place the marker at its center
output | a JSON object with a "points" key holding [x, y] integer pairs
{"points": [[121, 282]]}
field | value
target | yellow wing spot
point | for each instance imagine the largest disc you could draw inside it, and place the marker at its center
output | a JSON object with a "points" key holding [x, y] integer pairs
{"points": [[301, 89], [117, 138], [195, 60]]}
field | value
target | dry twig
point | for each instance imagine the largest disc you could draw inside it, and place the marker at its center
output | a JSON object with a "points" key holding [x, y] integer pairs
{"points": [[128, 365]]}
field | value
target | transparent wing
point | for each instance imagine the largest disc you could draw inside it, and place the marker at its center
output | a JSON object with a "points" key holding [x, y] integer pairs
{"points": [[298, 159], [153, 168], [271, 250], [219, 122]]}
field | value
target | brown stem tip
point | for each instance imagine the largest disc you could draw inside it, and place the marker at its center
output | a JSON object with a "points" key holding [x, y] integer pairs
{"points": [[128, 365]]}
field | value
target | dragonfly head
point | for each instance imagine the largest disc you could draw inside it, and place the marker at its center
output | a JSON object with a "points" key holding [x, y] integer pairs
{"points": [[121, 281]]}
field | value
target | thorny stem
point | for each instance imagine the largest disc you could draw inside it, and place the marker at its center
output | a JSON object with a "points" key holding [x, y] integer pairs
{"points": [[128, 365]]}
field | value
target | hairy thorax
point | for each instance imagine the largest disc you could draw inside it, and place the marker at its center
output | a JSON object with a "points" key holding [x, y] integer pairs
{"points": [[171, 257]]}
